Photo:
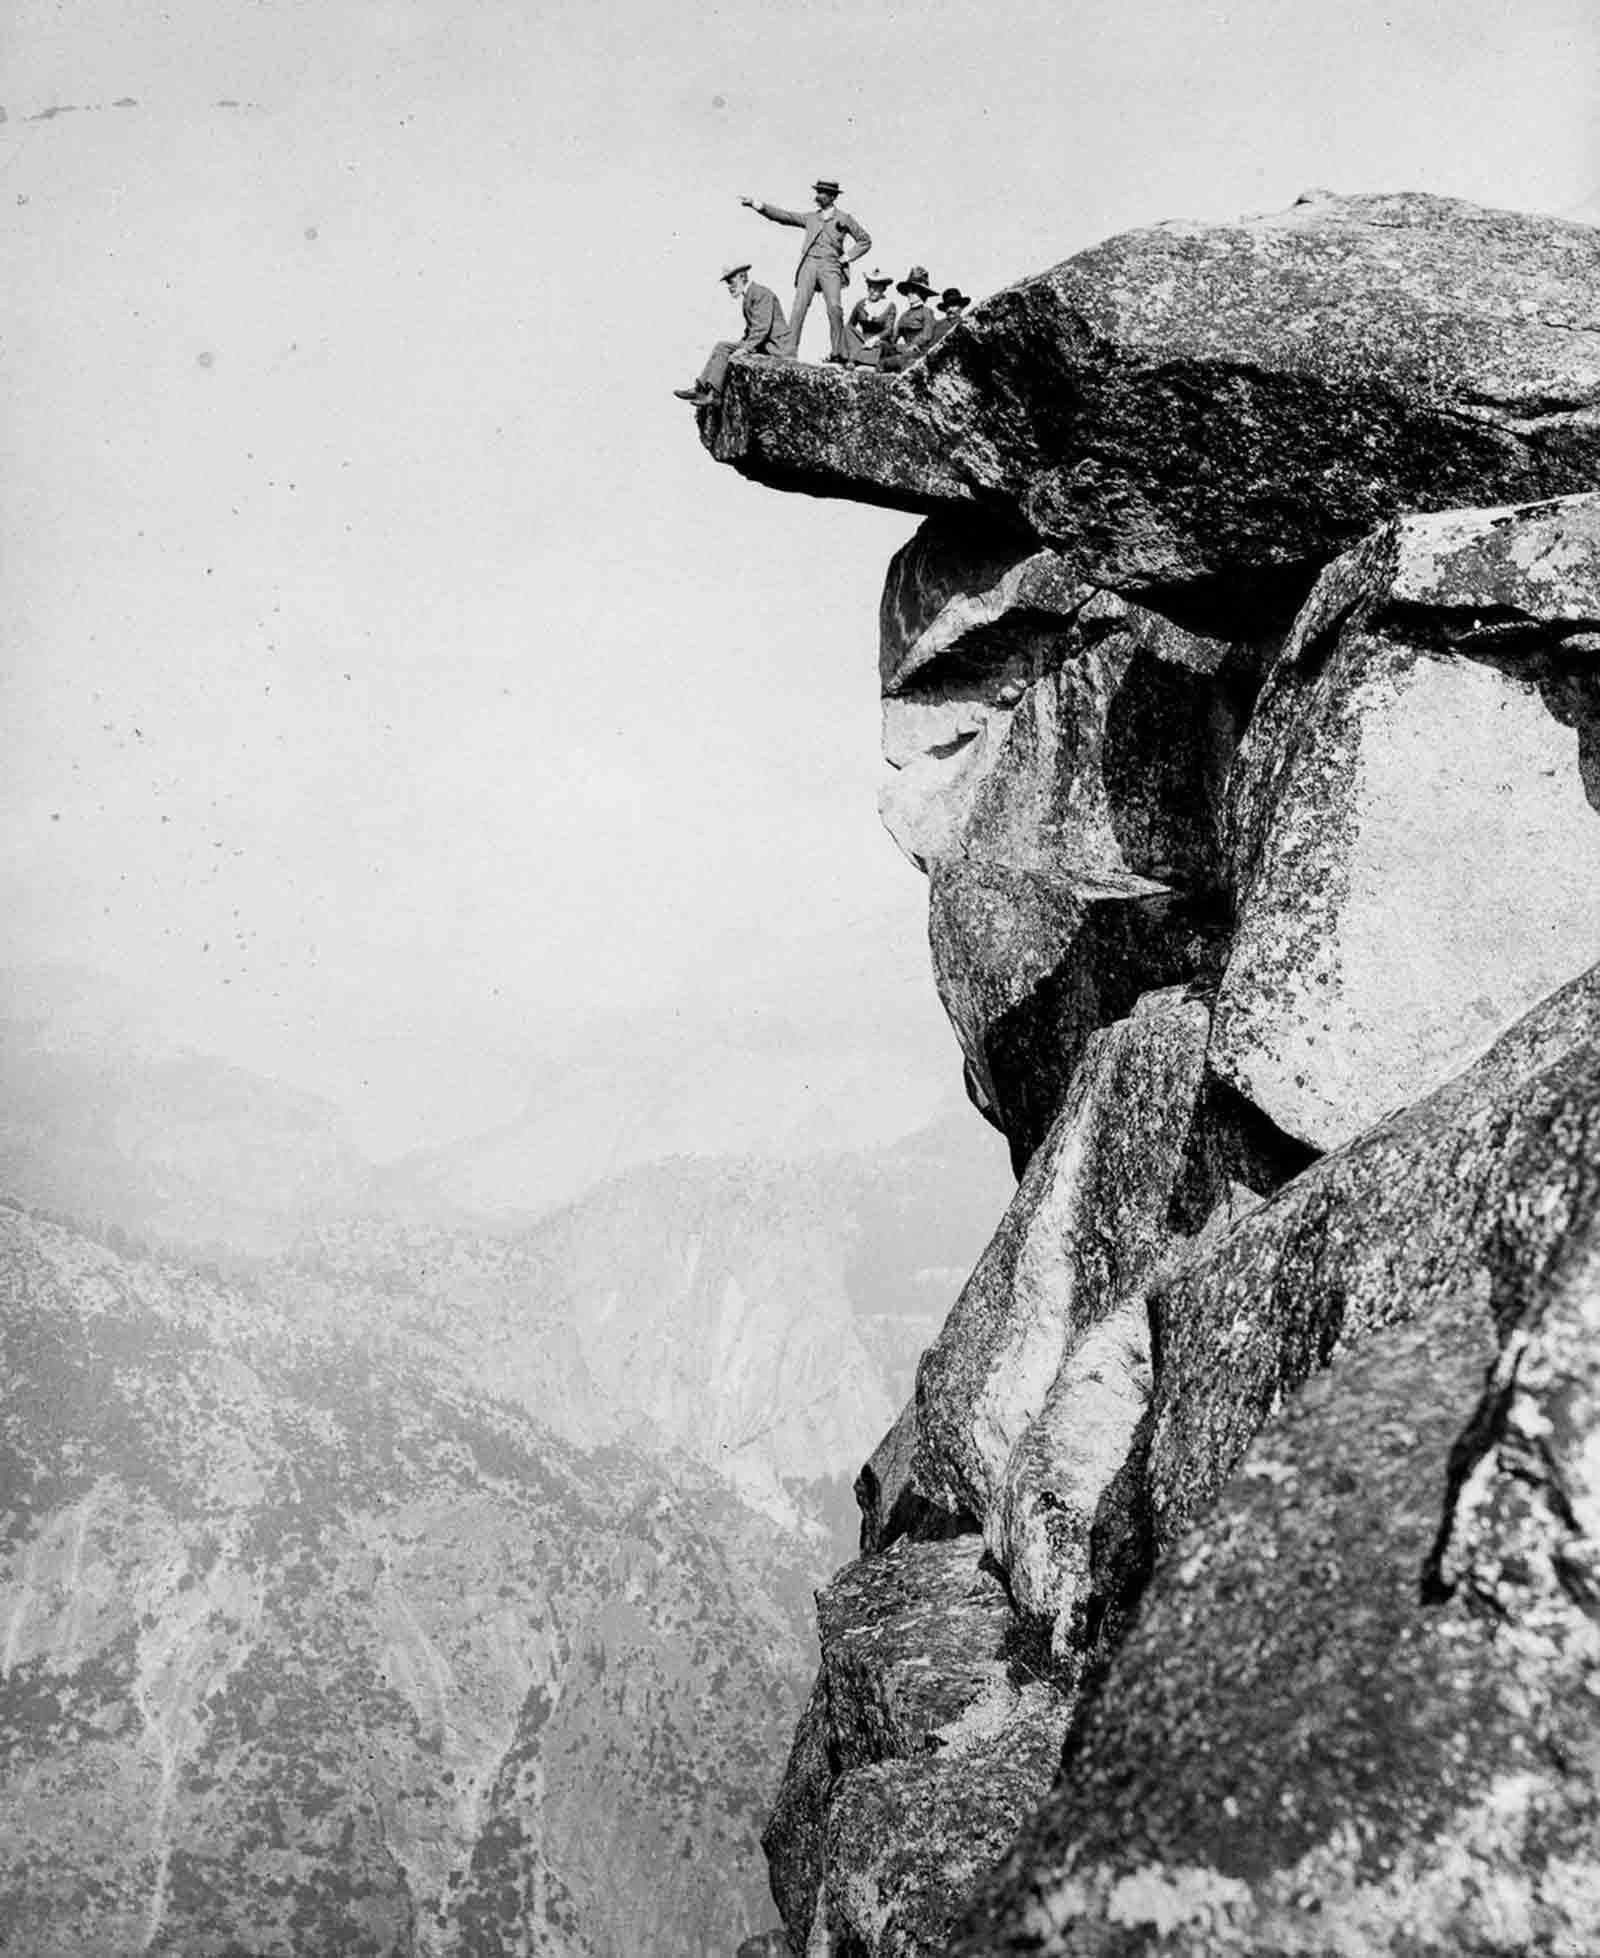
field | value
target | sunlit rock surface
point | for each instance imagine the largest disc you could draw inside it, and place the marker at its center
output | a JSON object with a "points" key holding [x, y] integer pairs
{"points": [[1361, 1239], [1415, 815], [1088, 1219]]}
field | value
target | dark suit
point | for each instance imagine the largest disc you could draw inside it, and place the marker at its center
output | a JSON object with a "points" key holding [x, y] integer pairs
{"points": [[764, 333], [822, 264]]}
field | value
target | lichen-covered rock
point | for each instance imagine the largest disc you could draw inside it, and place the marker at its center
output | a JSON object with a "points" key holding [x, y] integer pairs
{"points": [[1360, 1712], [1196, 402], [1088, 1220], [909, 1641], [1364, 1238], [909, 1841], [920, 1668], [1416, 815]]}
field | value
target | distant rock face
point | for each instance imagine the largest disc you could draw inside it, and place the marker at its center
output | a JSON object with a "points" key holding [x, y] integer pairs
{"points": [[1416, 815], [313, 1647], [1199, 404], [1241, 703]]}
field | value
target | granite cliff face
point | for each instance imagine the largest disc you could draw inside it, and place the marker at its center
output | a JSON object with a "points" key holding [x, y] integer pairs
{"points": [[1228, 1585]]}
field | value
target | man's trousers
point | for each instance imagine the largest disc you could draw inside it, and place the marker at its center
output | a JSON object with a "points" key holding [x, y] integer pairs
{"points": [[831, 281], [715, 371]]}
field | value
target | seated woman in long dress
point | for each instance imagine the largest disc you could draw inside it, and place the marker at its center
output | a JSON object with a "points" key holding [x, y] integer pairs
{"points": [[871, 321]]}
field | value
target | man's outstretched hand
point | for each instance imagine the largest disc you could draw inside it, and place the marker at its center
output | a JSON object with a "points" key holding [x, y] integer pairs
{"points": [[750, 202]]}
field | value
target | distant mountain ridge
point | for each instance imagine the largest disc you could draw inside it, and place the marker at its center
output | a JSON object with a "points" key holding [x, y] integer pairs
{"points": [[313, 1645], [760, 1317], [760, 1311]]}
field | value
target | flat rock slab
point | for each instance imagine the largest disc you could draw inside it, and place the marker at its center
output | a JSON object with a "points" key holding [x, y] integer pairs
{"points": [[1187, 402], [1415, 815], [1360, 1711]]}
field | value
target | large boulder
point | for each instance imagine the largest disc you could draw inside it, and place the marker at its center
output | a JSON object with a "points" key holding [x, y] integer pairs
{"points": [[1360, 1711], [1198, 403], [1087, 1222], [928, 1738], [909, 1841], [1070, 1525], [1415, 815]]}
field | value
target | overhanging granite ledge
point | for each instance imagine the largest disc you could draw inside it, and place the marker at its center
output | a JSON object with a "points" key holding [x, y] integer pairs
{"points": [[835, 432]]}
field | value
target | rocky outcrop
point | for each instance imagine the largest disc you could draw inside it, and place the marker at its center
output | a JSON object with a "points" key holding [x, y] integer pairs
{"points": [[1242, 706], [1359, 1711], [1210, 405], [1088, 1220], [928, 1738], [1057, 759]]}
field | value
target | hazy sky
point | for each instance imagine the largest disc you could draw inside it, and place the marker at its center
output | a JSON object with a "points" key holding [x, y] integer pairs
{"points": [[391, 680]]}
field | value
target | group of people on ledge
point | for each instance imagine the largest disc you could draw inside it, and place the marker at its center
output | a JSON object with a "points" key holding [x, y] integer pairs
{"points": [[877, 333]]}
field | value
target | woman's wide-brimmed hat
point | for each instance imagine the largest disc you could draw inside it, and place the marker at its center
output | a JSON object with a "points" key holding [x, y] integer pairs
{"points": [[953, 296], [877, 278], [727, 272], [826, 183], [916, 280]]}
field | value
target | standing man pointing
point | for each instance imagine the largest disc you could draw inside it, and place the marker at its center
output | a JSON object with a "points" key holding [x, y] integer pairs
{"points": [[824, 261]]}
